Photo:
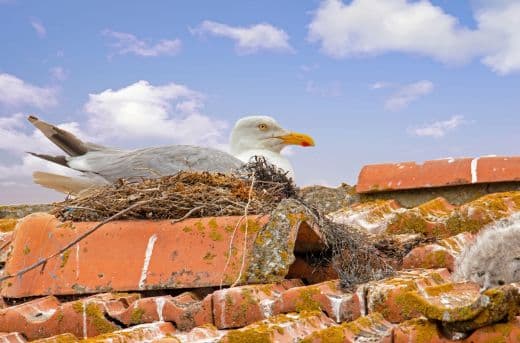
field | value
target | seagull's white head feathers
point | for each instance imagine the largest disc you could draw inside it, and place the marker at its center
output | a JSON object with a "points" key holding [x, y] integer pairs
{"points": [[263, 136]]}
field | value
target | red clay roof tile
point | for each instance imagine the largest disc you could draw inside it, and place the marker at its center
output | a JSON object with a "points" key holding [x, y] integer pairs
{"points": [[437, 173], [326, 296], [137, 334], [438, 255], [186, 311], [281, 328], [63, 338], [240, 306], [371, 328], [419, 330], [387, 296], [12, 337], [435, 218], [156, 254]]}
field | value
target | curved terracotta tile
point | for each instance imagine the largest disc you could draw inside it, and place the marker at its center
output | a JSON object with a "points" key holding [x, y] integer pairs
{"points": [[186, 311], [127, 255], [438, 255], [410, 175], [239, 306], [281, 328], [63, 338], [418, 330], [371, 328], [388, 296], [437, 173], [435, 218], [12, 337], [326, 296], [137, 334], [47, 316]]}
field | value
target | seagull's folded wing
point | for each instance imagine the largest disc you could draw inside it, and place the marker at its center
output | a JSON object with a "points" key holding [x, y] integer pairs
{"points": [[154, 162]]}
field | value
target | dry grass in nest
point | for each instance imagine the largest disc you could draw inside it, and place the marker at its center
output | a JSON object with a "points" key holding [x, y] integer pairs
{"points": [[186, 194]]}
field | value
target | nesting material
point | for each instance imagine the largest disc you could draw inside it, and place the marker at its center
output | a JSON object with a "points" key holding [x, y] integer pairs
{"points": [[186, 194]]}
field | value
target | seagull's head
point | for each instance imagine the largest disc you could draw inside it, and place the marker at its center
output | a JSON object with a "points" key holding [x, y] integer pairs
{"points": [[264, 133]]}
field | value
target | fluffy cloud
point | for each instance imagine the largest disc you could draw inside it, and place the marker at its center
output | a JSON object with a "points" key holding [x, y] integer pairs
{"points": [[372, 27], [126, 43], [16, 92], [501, 26], [142, 110], [439, 128], [250, 39], [408, 93], [39, 28]]}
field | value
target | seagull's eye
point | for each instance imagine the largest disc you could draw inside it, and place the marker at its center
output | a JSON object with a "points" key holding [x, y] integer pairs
{"points": [[262, 127]]}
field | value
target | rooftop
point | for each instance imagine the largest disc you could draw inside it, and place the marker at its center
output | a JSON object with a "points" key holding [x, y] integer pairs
{"points": [[270, 278]]}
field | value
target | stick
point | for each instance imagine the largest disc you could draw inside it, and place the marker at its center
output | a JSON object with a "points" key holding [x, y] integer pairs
{"points": [[190, 212], [74, 242], [245, 234]]}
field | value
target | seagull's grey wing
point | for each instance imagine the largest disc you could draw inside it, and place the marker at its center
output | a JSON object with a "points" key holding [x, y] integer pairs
{"points": [[154, 162]]}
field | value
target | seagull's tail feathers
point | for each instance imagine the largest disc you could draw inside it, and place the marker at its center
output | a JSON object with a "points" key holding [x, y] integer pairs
{"points": [[65, 184], [65, 140], [60, 159]]}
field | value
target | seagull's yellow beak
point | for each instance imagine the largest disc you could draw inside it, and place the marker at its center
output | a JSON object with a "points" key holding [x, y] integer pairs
{"points": [[295, 138]]}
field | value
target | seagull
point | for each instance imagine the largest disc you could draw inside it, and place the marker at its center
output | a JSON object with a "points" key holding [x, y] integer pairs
{"points": [[99, 165]]}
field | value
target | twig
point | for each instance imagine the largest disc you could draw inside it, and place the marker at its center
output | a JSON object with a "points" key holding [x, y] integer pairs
{"points": [[6, 244], [245, 234], [230, 247], [190, 212], [74, 242]]}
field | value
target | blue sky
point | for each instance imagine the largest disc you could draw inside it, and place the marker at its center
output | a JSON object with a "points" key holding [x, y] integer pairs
{"points": [[371, 80]]}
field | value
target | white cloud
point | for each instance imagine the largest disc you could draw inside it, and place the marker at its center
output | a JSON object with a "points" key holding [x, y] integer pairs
{"points": [[373, 27], [39, 28], [439, 128], [16, 92], [126, 43], [408, 93], [58, 73], [501, 25], [141, 110], [250, 39]]}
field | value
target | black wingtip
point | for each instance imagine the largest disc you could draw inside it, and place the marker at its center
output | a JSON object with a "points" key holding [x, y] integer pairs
{"points": [[32, 118]]}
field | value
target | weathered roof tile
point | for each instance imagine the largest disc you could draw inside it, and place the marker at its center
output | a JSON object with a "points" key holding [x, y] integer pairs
{"points": [[151, 251], [326, 296], [371, 328], [12, 337], [239, 306], [281, 328], [388, 296], [438, 255], [435, 218], [186, 311], [437, 173]]}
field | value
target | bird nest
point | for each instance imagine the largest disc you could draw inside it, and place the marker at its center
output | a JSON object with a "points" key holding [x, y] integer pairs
{"points": [[258, 185]]}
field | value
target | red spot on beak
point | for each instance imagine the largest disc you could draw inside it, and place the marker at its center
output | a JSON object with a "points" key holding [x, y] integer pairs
{"points": [[305, 144]]}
